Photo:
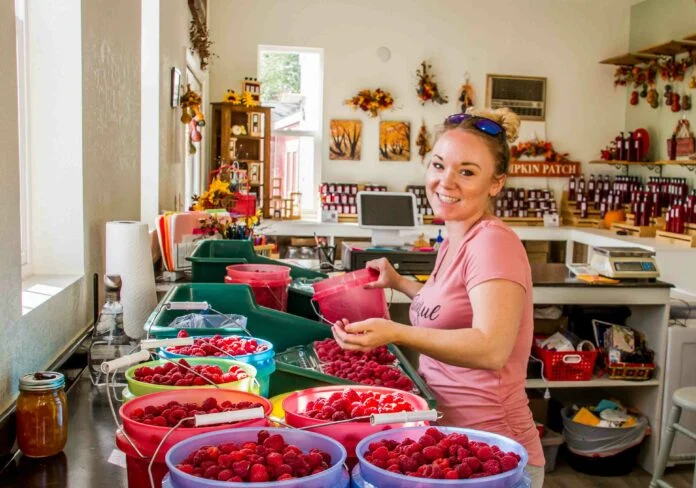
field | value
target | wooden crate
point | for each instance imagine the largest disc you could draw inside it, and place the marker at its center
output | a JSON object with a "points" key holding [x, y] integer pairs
{"points": [[580, 222], [634, 230], [537, 246], [348, 218], [683, 240], [523, 221]]}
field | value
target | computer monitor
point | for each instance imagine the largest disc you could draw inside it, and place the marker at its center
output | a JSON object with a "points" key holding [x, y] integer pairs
{"points": [[386, 213]]}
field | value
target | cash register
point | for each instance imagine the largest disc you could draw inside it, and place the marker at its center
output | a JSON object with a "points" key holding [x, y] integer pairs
{"points": [[386, 214]]}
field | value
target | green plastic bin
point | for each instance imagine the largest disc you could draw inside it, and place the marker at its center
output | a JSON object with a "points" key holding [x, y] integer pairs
{"points": [[212, 256], [282, 329]]}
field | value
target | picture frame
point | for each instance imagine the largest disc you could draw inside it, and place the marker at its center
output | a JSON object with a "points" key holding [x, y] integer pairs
{"points": [[254, 173], [254, 124], [176, 86]]}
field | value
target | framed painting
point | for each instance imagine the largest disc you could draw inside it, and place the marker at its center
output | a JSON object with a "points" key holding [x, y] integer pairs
{"points": [[345, 140], [394, 141]]}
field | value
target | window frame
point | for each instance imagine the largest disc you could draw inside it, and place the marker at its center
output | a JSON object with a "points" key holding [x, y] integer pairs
{"points": [[24, 145], [310, 206]]}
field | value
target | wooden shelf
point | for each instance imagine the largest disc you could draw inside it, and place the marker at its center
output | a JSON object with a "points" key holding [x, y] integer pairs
{"points": [[593, 383], [670, 48], [631, 163], [678, 162], [629, 59], [248, 138]]}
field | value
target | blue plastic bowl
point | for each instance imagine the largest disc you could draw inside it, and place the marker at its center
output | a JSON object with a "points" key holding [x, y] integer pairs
{"points": [[264, 361], [381, 477], [344, 483], [331, 478]]}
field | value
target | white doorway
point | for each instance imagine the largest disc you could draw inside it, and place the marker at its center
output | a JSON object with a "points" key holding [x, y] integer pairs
{"points": [[193, 150]]}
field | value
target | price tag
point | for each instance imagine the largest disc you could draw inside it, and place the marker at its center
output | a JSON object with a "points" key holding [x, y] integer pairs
{"points": [[330, 216]]}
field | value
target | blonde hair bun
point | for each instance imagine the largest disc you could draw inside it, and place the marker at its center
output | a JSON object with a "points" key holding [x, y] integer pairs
{"points": [[508, 119]]}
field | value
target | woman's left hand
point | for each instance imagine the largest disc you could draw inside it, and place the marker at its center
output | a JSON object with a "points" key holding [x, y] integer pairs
{"points": [[365, 335]]}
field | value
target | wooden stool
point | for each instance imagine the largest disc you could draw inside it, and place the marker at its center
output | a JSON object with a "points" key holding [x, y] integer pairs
{"points": [[682, 399]]}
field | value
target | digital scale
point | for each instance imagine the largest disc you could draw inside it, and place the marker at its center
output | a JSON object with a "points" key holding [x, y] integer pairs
{"points": [[624, 262]]}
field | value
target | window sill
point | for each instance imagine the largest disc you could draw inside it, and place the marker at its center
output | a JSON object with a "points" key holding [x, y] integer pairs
{"points": [[39, 289]]}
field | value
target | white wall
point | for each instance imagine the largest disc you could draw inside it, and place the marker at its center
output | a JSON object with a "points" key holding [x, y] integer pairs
{"points": [[174, 24], [561, 40], [655, 22]]}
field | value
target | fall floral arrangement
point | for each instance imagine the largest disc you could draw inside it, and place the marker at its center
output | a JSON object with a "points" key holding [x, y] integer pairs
{"points": [[218, 195], [372, 102], [538, 148], [228, 227], [427, 89]]}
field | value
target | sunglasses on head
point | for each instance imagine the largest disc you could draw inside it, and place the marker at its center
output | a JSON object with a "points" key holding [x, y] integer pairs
{"points": [[487, 126]]}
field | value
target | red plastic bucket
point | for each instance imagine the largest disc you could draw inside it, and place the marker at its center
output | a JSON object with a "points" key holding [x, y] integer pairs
{"points": [[136, 466], [271, 294], [345, 297]]}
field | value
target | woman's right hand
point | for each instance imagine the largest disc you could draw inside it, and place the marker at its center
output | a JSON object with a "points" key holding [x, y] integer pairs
{"points": [[388, 277]]}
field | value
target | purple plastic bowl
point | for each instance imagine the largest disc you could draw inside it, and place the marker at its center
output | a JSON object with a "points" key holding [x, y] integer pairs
{"points": [[381, 477], [344, 483], [330, 478]]}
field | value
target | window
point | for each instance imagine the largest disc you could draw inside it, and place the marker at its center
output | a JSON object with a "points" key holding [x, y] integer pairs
{"points": [[22, 107], [292, 81]]}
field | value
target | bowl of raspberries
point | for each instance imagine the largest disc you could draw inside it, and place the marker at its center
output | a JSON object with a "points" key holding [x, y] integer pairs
{"points": [[440, 456], [316, 406], [182, 374], [258, 457], [148, 418]]}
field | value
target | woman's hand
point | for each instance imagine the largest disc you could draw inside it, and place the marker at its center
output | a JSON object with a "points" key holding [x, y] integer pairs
{"points": [[388, 277], [367, 334]]}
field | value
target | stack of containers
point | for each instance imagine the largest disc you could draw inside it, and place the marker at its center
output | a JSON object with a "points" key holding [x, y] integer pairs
{"points": [[345, 297], [147, 437], [336, 476], [347, 433], [366, 474], [139, 388], [263, 361], [268, 282]]}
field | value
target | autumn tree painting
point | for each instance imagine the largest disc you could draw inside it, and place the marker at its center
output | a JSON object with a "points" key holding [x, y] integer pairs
{"points": [[394, 141], [346, 139]]}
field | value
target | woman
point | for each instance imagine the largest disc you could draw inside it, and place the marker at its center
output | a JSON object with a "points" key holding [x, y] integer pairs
{"points": [[473, 318]]}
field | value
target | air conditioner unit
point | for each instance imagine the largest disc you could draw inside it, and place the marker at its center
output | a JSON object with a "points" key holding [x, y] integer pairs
{"points": [[524, 95]]}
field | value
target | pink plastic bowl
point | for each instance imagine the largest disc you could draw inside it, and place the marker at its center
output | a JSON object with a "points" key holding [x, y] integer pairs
{"points": [[344, 297], [348, 433], [358, 277], [244, 273], [148, 437]]}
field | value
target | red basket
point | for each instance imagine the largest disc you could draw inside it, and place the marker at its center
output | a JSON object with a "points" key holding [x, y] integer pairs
{"points": [[244, 205], [566, 365]]}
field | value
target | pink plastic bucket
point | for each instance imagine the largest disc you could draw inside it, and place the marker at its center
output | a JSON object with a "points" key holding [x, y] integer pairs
{"points": [[271, 294], [345, 297], [244, 273], [348, 433]]}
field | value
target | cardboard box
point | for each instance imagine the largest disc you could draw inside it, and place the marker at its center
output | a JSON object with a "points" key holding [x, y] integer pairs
{"points": [[537, 246]]}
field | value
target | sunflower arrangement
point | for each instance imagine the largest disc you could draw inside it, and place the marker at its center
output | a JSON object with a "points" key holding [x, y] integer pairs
{"points": [[372, 102], [228, 227], [538, 148], [232, 97], [218, 195]]}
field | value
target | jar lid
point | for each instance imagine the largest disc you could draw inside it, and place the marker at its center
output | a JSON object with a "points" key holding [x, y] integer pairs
{"points": [[42, 381]]}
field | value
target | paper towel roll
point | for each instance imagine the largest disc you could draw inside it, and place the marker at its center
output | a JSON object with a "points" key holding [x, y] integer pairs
{"points": [[128, 254]]}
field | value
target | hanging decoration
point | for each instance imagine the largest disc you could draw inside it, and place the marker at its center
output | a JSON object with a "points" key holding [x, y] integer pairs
{"points": [[423, 141], [427, 88], [200, 42], [372, 102], [466, 95], [534, 148], [191, 114]]}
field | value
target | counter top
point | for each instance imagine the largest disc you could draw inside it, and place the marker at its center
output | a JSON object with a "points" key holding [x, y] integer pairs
{"points": [[558, 275]]}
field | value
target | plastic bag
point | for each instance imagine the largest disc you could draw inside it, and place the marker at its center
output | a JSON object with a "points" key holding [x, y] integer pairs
{"points": [[208, 321], [589, 441]]}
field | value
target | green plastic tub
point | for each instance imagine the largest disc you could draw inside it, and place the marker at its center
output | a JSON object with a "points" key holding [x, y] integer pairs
{"points": [[212, 256], [282, 329]]}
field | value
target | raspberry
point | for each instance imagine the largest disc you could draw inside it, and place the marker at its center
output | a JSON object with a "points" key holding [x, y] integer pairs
{"points": [[508, 463], [451, 474], [258, 473], [274, 443], [473, 463], [262, 436], [492, 466], [212, 472], [434, 433], [464, 471], [285, 476], [186, 468], [241, 468], [484, 453], [381, 453], [426, 441], [432, 453], [274, 459]]}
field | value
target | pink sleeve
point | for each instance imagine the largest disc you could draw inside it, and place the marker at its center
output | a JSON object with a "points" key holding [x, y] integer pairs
{"points": [[495, 253]]}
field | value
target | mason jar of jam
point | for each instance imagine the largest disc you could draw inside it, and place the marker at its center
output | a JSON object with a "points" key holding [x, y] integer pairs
{"points": [[42, 414]]}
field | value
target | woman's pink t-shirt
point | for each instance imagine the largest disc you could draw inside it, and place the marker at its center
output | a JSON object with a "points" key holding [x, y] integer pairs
{"points": [[493, 401]]}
